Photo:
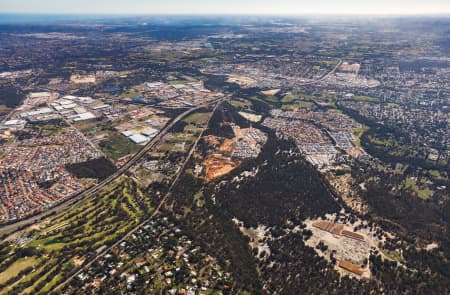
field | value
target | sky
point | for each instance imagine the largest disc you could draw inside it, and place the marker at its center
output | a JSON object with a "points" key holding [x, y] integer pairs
{"points": [[235, 7]]}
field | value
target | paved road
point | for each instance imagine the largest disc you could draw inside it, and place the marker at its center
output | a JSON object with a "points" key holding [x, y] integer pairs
{"points": [[74, 201], [10, 228], [158, 208], [168, 194], [323, 77]]}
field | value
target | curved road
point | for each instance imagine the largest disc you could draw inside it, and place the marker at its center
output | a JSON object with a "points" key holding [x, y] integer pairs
{"points": [[10, 228], [323, 77], [60, 208], [161, 203], [174, 182]]}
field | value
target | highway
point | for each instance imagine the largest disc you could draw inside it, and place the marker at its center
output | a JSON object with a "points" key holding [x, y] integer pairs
{"points": [[158, 208], [10, 228], [323, 77], [88, 193]]}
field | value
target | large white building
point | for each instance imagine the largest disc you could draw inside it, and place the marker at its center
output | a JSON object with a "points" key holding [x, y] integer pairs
{"points": [[138, 138]]}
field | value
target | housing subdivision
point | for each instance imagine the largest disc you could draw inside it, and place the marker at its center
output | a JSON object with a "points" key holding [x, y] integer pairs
{"points": [[320, 136], [33, 174]]}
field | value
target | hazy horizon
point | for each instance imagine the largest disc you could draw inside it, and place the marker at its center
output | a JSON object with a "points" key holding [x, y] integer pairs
{"points": [[230, 7]]}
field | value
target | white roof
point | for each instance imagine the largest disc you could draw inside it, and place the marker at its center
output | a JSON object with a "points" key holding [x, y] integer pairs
{"points": [[69, 106], [64, 101], [102, 106], [39, 94], [150, 132], [39, 112], [138, 138], [153, 84], [127, 133], [5, 74], [88, 115], [178, 86], [79, 110], [86, 99], [13, 122], [84, 116]]}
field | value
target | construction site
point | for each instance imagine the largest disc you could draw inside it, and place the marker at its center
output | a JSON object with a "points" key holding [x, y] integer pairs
{"points": [[223, 155]]}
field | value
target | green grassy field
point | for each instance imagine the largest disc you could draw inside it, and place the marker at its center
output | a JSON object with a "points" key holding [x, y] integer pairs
{"points": [[243, 104], [366, 98], [16, 268], [97, 222], [271, 98], [421, 192], [295, 105], [393, 255], [436, 174], [358, 132], [117, 146], [381, 142], [177, 82], [199, 200], [131, 94], [197, 118], [287, 99]]}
